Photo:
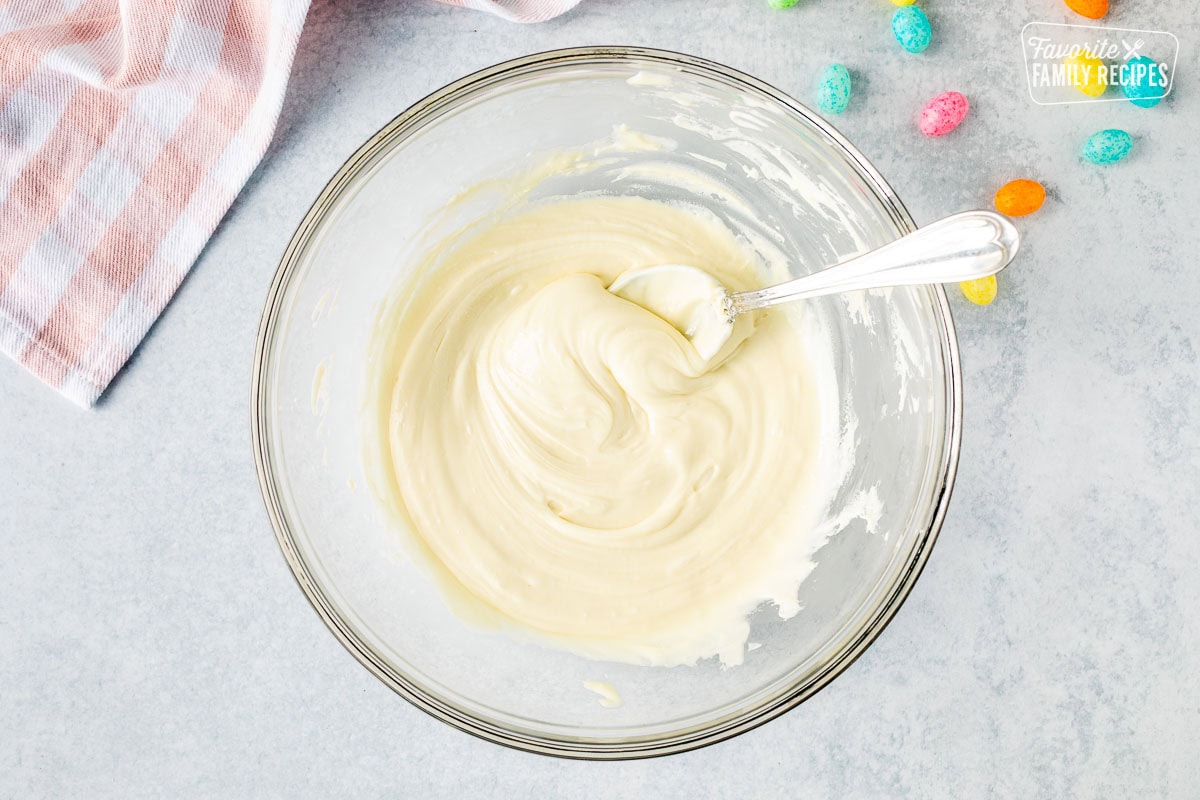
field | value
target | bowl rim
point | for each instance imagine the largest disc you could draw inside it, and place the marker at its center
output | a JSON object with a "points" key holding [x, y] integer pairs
{"points": [[408, 122]]}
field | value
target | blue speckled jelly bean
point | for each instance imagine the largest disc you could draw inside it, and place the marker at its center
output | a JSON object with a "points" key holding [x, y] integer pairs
{"points": [[1108, 146], [912, 28], [833, 95], [1144, 85]]}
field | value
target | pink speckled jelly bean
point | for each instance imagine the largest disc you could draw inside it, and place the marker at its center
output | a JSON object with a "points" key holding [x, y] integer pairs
{"points": [[942, 114]]}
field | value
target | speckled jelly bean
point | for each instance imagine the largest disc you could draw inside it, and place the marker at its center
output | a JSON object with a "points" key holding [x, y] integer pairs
{"points": [[833, 93], [1085, 74], [1092, 9], [943, 114], [782, 4], [912, 29], [1107, 146], [1020, 197], [981, 291], [1144, 84]]}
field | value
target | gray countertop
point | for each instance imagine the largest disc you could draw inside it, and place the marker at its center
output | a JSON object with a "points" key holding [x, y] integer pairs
{"points": [[153, 642]]}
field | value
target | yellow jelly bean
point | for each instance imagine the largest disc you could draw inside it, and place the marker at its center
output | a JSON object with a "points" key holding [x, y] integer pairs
{"points": [[903, 2], [980, 292], [1086, 74]]}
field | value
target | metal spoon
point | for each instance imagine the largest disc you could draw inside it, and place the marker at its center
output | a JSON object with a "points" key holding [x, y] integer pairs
{"points": [[962, 247]]}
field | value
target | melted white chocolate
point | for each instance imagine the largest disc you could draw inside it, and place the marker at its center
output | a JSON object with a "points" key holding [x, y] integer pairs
{"points": [[567, 459]]}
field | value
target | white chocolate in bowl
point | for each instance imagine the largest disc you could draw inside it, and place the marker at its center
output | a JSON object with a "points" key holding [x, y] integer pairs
{"points": [[565, 459]]}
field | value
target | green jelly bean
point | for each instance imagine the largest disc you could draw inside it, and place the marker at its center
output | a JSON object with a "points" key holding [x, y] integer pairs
{"points": [[1107, 146], [833, 94], [912, 28]]}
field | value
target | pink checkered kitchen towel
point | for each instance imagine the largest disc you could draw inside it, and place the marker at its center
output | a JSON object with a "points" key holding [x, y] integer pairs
{"points": [[126, 130]]}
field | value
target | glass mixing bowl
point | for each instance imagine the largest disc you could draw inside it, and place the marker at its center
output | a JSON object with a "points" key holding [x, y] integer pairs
{"points": [[806, 188]]}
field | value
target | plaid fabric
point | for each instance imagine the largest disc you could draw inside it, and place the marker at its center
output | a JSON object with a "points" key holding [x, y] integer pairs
{"points": [[126, 130], [519, 10]]}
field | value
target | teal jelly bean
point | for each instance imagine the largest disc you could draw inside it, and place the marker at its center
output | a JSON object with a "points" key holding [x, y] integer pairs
{"points": [[912, 28], [1107, 146], [1144, 87], [833, 95], [782, 4]]}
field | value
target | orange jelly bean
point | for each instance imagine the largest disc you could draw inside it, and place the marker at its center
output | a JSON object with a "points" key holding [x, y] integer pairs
{"points": [[1092, 9], [1020, 197]]}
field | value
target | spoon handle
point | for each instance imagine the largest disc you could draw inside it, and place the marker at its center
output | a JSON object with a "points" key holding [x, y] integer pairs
{"points": [[962, 247]]}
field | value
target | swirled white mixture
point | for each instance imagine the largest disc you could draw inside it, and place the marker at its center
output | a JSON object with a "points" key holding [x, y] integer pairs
{"points": [[566, 458]]}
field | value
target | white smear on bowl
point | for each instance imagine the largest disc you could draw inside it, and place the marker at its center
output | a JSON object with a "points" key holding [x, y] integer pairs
{"points": [[609, 698]]}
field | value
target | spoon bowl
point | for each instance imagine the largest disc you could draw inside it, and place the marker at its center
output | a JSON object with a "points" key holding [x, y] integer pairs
{"points": [[689, 298]]}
